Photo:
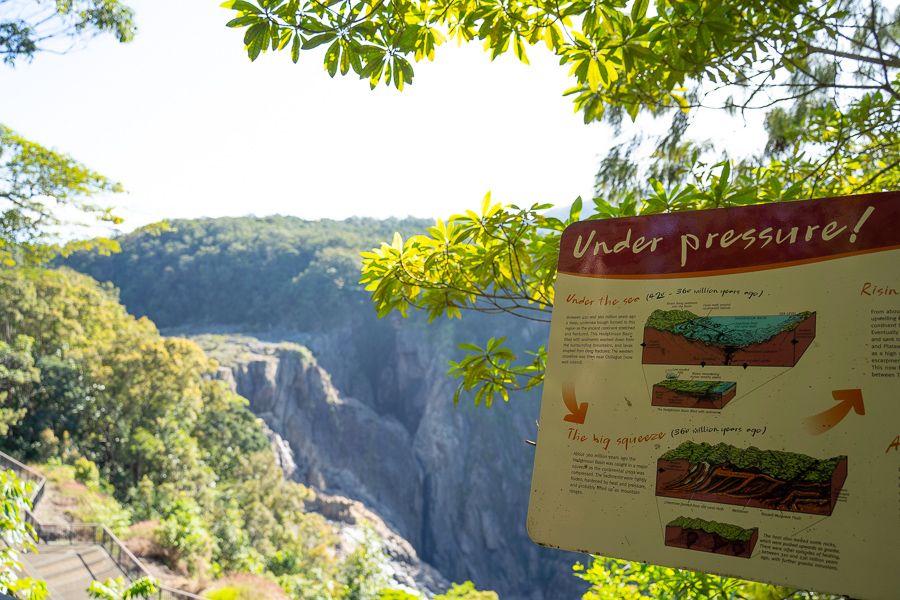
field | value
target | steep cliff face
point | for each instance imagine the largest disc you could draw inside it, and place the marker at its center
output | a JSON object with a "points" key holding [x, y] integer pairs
{"points": [[339, 443], [371, 416], [453, 481]]}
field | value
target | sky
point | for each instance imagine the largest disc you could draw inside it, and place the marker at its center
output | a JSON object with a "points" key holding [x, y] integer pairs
{"points": [[192, 128]]}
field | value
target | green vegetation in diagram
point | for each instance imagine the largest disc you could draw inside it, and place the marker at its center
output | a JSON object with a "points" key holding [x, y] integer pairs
{"points": [[725, 331], [699, 388], [786, 466], [726, 531], [666, 320]]}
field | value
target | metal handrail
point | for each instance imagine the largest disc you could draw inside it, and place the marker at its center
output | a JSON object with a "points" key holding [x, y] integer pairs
{"points": [[26, 473], [94, 533]]}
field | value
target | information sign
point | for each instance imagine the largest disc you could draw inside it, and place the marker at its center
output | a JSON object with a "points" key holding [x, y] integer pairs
{"points": [[722, 394]]}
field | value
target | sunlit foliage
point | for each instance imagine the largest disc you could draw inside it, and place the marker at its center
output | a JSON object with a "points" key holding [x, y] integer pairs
{"points": [[28, 27]]}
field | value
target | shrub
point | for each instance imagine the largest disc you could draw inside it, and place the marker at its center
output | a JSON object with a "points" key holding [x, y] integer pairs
{"points": [[81, 502], [87, 473], [184, 537], [466, 591], [361, 573], [140, 538], [392, 594], [246, 587]]}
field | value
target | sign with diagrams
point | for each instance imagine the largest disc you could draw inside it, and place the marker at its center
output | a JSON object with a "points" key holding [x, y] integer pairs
{"points": [[722, 394]]}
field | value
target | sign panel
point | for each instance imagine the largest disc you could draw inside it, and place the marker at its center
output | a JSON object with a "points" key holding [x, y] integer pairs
{"points": [[722, 394]]}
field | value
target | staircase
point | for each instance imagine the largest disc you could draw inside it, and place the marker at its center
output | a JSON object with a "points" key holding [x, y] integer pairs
{"points": [[69, 557], [68, 570]]}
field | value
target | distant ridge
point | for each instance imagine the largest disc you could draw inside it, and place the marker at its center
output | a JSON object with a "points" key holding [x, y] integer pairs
{"points": [[256, 272]]}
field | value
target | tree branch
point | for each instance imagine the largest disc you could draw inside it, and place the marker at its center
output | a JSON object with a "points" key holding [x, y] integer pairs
{"points": [[884, 61]]}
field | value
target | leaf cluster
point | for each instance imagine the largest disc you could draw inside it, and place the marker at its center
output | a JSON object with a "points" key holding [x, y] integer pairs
{"points": [[17, 536], [612, 579], [36, 185], [31, 26], [501, 261], [625, 56], [493, 262], [466, 591], [119, 589]]}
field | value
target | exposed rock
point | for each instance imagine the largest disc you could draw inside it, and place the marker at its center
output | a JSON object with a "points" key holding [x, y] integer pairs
{"points": [[404, 567], [340, 445], [450, 483], [284, 456]]}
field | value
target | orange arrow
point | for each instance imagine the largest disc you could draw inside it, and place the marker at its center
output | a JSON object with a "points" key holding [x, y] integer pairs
{"points": [[577, 411], [824, 421]]}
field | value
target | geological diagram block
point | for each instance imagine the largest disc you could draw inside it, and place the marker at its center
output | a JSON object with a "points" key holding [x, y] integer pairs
{"points": [[693, 394], [711, 536], [679, 337], [768, 479]]}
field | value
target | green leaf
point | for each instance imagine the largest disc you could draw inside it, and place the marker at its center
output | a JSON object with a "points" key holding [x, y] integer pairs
{"points": [[242, 5], [373, 72], [355, 61], [256, 38], [639, 9], [486, 203], [575, 210], [345, 60], [374, 64], [284, 39], [519, 47], [724, 179], [310, 24], [318, 40], [398, 74], [406, 70], [593, 74], [295, 48], [332, 57], [254, 32], [244, 20], [470, 348]]}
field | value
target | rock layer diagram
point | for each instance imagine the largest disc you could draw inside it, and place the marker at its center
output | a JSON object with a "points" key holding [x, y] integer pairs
{"points": [[679, 337], [693, 393], [768, 479], [711, 536]]}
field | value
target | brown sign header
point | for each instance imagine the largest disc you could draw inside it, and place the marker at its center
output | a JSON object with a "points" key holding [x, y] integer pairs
{"points": [[731, 240]]}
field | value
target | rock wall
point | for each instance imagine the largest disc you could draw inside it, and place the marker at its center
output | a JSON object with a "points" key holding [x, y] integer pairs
{"points": [[453, 481]]}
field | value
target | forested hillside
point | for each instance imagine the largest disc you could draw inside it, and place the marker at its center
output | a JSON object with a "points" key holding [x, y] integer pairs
{"points": [[255, 273]]}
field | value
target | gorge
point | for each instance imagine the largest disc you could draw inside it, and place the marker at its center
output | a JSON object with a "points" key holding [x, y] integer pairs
{"points": [[365, 404]]}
